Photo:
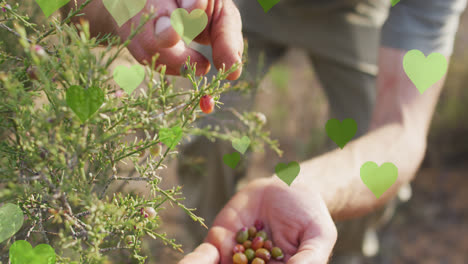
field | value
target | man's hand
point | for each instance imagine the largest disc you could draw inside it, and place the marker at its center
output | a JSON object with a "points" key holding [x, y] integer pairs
{"points": [[297, 221], [223, 32]]}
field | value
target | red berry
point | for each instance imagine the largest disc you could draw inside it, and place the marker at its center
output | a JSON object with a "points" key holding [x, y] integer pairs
{"points": [[207, 104], [268, 245], [238, 249], [257, 243], [258, 225]]}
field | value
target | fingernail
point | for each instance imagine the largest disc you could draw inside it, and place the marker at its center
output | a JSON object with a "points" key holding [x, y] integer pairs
{"points": [[187, 3], [162, 24]]}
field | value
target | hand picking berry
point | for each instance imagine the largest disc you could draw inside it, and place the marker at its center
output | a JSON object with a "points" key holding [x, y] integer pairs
{"points": [[254, 247]]}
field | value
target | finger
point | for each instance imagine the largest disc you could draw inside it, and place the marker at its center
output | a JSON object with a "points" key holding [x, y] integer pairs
{"points": [[206, 5], [223, 240], [173, 57], [164, 34], [157, 33], [191, 5], [317, 244], [226, 36], [206, 253]]}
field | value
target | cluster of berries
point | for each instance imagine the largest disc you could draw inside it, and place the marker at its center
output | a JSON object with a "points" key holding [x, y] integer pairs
{"points": [[254, 247]]}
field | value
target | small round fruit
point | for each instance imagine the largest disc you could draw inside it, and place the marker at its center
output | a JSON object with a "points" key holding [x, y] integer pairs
{"points": [[247, 244], [258, 261], [268, 245], [252, 231], [240, 258], [238, 249], [184, 70], [129, 239], [262, 234], [257, 243], [258, 224], [156, 149], [277, 253], [250, 253], [149, 212], [207, 104], [260, 118], [242, 235], [263, 254]]}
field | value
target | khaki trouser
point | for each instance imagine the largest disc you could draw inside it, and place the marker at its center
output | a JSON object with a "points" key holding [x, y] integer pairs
{"points": [[344, 55]]}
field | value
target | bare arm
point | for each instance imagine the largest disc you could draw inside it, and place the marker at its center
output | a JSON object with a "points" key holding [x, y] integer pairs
{"points": [[397, 134]]}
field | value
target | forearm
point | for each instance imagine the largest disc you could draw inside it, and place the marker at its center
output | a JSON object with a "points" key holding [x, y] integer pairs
{"points": [[397, 134], [336, 175]]}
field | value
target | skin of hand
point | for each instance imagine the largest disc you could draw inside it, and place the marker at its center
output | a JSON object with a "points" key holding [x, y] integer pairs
{"points": [[398, 133], [296, 220], [296, 216], [223, 32]]}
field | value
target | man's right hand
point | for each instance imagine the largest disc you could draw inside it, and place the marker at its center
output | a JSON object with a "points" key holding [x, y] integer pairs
{"points": [[223, 32]]}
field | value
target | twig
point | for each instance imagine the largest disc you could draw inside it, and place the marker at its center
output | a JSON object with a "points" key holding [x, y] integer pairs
{"points": [[112, 248]]}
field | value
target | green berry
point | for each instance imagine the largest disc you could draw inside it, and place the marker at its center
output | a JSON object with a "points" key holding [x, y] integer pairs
{"points": [[263, 254], [239, 258], [129, 239], [277, 253], [250, 253], [242, 235], [184, 70], [252, 231], [156, 149], [262, 234]]}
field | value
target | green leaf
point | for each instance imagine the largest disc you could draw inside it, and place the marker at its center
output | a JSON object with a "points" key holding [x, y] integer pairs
{"points": [[170, 136], [84, 102]]}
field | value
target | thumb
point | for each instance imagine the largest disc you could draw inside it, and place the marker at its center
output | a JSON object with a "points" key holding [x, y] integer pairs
{"points": [[206, 253], [316, 246]]}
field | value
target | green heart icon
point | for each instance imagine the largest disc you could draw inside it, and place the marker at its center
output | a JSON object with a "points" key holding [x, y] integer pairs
{"points": [[170, 136], [267, 4], [84, 102], [341, 132], [188, 26], [232, 159], [394, 2], [422, 71], [287, 173], [241, 144], [11, 220], [21, 252], [50, 6], [378, 179], [123, 10], [129, 78]]}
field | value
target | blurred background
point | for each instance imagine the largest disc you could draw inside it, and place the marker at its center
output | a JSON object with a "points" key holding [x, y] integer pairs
{"points": [[432, 227]]}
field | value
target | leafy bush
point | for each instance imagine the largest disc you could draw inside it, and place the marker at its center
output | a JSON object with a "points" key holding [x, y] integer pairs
{"points": [[58, 167]]}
